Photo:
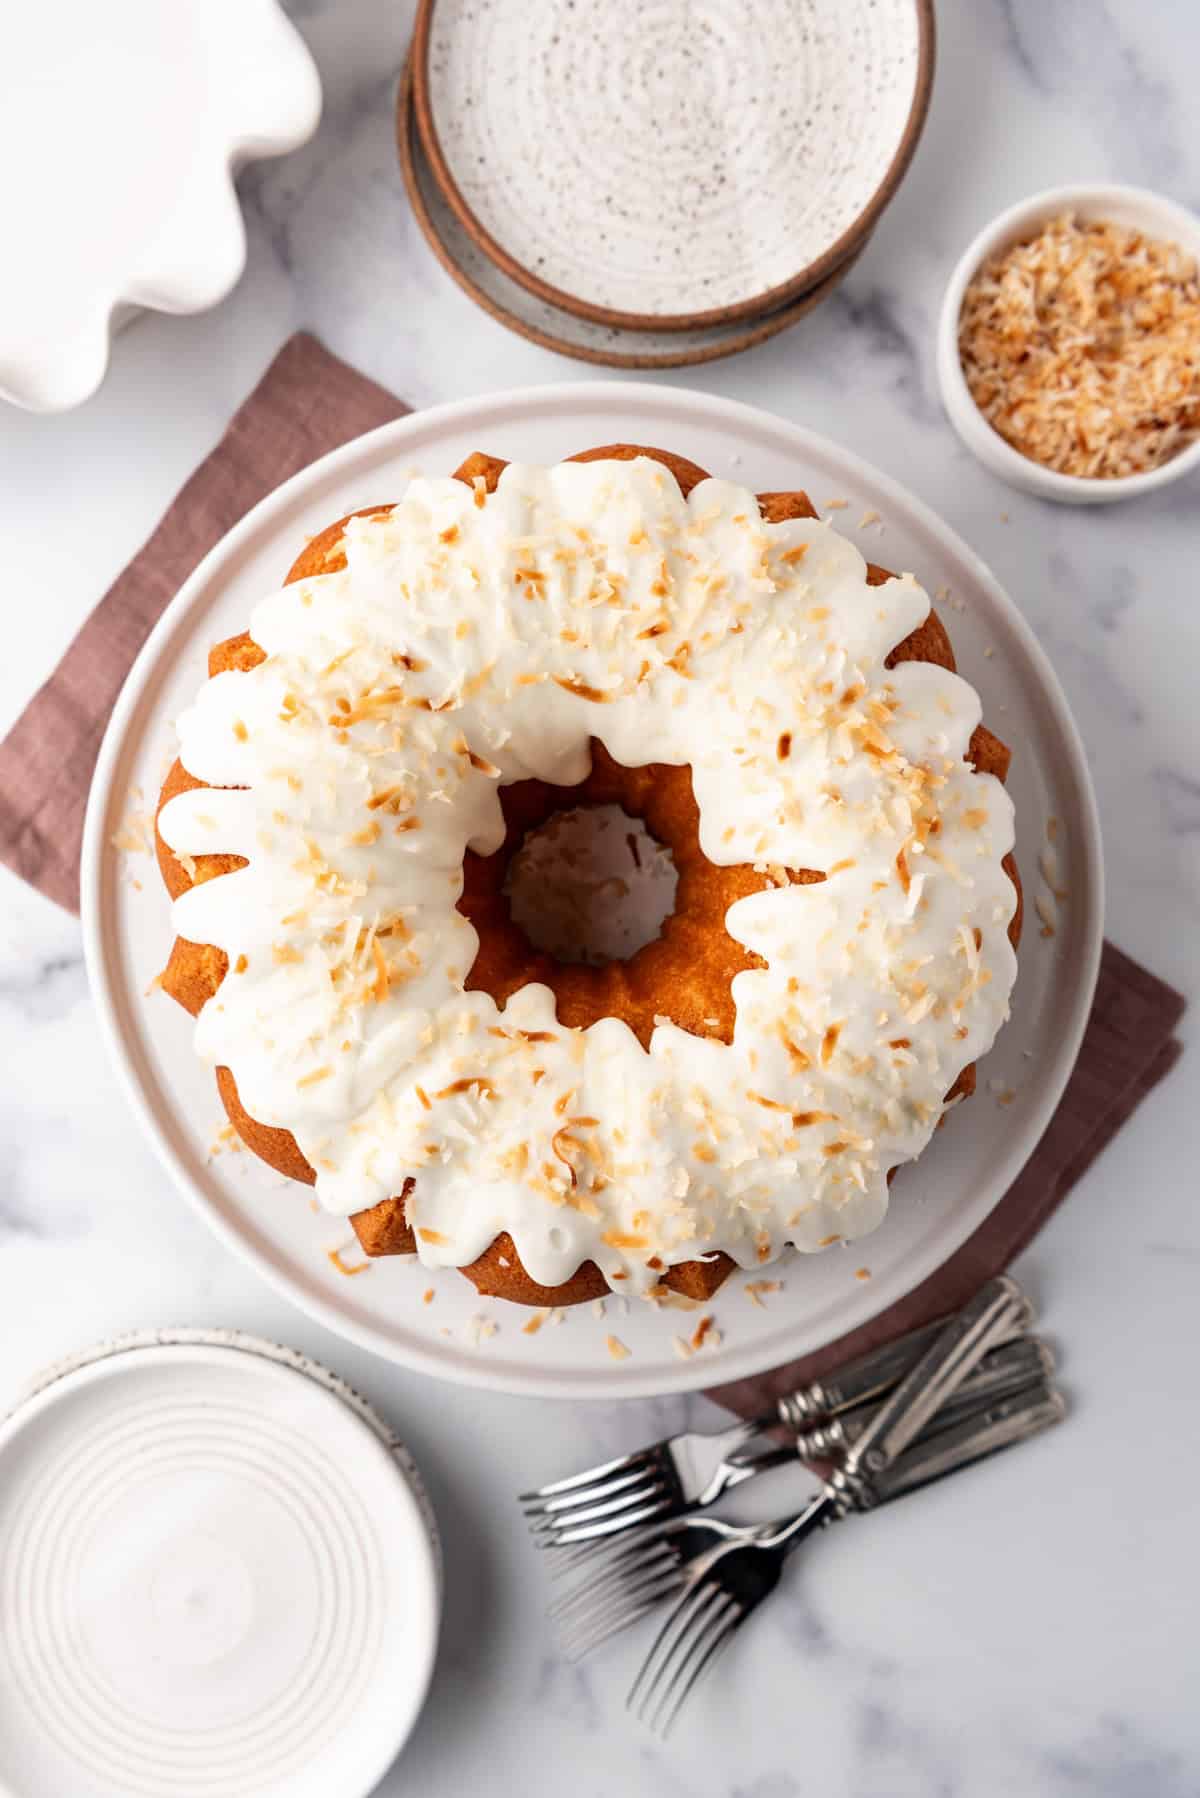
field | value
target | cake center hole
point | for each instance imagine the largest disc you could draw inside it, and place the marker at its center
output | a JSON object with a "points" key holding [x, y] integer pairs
{"points": [[591, 885]]}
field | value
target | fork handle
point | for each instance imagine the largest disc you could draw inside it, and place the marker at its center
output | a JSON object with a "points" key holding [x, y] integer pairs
{"points": [[941, 1370], [999, 1425], [1002, 1371], [868, 1376]]}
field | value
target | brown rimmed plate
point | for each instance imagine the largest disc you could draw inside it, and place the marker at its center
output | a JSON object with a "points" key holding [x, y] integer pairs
{"points": [[613, 346], [705, 167]]}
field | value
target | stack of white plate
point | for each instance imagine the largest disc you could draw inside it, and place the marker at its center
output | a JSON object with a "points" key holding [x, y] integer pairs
{"points": [[218, 1573]]}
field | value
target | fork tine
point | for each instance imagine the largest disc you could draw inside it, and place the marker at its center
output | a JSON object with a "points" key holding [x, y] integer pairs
{"points": [[599, 1629], [551, 1534], [699, 1598], [597, 1555], [619, 1464], [616, 1590], [579, 1650], [660, 1507], [707, 1648], [612, 1568], [565, 1502], [562, 1560], [620, 1571], [593, 1512], [706, 1625], [616, 1595], [593, 1558]]}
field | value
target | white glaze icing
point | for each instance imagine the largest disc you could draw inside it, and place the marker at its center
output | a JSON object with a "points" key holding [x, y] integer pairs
{"points": [[463, 647]]}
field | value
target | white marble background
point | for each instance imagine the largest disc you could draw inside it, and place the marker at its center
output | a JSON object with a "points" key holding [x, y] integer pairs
{"points": [[1031, 1628]]}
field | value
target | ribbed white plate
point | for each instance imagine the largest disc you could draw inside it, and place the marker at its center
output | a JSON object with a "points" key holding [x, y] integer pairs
{"points": [[214, 1562], [121, 124], [935, 1206]]}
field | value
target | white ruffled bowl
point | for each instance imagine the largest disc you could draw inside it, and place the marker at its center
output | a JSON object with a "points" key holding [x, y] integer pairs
{"points": [[122, 123]]}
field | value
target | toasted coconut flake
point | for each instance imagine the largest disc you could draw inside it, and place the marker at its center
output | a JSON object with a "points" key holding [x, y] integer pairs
{"points": [[382, 981], [472, 1083], [351, 1268], [705, 1331], [1081, 347], [617, 1348], [136, 834], [799, 1058], [570, 683], [757, 1290], [625, 1239]]}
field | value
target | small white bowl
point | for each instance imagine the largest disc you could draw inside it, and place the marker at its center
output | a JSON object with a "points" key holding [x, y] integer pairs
{"points": [[1133, 206]]}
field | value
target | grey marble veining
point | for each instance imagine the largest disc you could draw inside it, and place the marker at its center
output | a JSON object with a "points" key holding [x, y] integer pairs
{"points": [[1028, 1632], [1119, 74]]}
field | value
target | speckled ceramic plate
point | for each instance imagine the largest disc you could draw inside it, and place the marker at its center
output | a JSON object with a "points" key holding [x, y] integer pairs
{"points": [[670, 166], [270, 1221], [510, 304], [213, 1557]]}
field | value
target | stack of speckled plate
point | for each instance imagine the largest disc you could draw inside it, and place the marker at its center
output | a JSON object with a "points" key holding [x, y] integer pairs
{"points": [[651, 186]]}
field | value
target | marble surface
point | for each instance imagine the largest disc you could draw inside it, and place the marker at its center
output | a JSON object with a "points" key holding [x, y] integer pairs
{"points": [[1025, 1629]]}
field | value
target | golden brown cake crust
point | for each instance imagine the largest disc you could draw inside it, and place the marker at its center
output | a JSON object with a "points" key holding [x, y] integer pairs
{"points": [[692, 939]]}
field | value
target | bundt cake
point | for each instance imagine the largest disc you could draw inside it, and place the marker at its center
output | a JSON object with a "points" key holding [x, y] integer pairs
{"points": [[435, 680]]}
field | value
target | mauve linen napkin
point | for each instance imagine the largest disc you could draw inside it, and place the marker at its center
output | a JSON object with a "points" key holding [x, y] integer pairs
{"points": [[307, 403]]}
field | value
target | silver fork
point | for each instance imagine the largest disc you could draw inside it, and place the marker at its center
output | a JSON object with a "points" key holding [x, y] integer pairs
{"points": [[725, 1581], [686, 1472], [627, 1574], [1004, 1370], [899, 1419], [680, 1474]]}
